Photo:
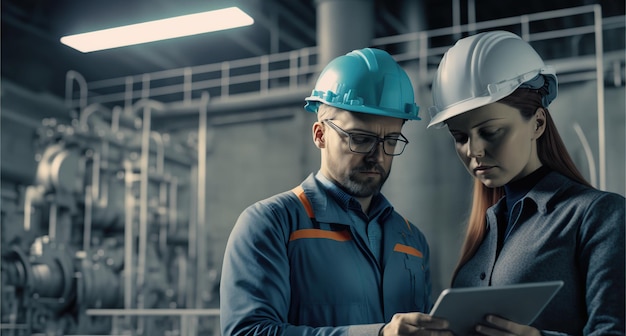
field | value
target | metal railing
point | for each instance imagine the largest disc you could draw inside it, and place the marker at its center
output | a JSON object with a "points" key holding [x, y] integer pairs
{"points": [[257, 74], [294, 69]]}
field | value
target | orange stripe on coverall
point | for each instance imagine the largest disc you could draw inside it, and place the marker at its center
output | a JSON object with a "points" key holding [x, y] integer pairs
{"points": [[343, 235], [408, 250], [305, 201]]}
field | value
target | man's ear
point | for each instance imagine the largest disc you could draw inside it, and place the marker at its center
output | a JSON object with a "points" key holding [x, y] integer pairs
{"points": [[319, 135], [540, 122]]}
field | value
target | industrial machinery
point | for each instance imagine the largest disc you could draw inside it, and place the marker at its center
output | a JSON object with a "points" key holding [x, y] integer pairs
{"points": [[106, 239]]}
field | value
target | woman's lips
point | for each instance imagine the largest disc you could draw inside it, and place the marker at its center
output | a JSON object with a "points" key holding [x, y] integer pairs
{"points": [[483, 169]]}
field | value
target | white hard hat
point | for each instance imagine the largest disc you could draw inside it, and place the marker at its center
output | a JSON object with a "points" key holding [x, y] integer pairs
{"points": [[484, 68]]}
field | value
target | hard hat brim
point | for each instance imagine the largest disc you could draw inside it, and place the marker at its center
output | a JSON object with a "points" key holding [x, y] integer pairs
{"points": [[484, 68], [438, 121], [313, 104], [438, 118]]}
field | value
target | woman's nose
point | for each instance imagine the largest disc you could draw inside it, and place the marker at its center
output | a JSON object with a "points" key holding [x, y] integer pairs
{"points": [[475, 148]]}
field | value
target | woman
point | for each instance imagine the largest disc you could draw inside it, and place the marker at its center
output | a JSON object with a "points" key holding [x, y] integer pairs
{"points": [[534, 217]]}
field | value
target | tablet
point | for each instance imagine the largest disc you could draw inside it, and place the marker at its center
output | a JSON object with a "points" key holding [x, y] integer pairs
{"points": [[520, 303]]}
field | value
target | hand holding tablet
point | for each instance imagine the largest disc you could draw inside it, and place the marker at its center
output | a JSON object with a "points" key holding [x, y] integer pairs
{"points": [[520, 303]]}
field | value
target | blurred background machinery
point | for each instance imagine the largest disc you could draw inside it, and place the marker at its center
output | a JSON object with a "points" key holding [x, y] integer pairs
{"points": [[107, 225]]}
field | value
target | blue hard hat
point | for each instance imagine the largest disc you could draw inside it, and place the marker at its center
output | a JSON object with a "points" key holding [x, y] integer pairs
{"points": [[367, 81]]}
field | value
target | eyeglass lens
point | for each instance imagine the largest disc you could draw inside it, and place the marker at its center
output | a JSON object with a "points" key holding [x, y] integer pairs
{"points": [[364, 143]]}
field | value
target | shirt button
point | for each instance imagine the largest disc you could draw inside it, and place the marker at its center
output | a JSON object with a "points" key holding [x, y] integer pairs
{"points": [[482, 276]]}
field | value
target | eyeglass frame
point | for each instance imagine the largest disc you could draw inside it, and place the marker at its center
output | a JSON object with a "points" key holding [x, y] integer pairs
{"points": [[340, 130]]}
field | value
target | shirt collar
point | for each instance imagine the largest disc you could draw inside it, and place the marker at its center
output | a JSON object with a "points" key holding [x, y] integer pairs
{"points": [[379, 206], [345, 201]]}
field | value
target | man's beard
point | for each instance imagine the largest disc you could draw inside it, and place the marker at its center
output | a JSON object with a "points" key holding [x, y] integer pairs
{"points": [[358, 186]]}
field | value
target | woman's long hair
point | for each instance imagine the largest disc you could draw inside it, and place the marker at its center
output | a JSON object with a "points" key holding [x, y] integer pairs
{"points": [[552, 153]]}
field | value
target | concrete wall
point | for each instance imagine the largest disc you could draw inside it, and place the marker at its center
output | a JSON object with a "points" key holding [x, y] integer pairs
{"points": [[576, 108], [249, 162]]}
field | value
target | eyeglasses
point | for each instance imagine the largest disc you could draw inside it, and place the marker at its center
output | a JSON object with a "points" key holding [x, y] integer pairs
{"points": [[366, 143]]}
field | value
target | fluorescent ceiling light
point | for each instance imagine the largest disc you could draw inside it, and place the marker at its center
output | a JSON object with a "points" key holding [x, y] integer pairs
{"points": [[179, 26]]}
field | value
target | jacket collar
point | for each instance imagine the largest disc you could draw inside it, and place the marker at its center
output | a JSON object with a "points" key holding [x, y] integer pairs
{"points": [[319, 190], [548, 190], [544, 193]]}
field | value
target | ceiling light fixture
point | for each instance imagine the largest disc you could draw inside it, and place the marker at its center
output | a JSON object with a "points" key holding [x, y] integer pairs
{"points": [[179, 26]]}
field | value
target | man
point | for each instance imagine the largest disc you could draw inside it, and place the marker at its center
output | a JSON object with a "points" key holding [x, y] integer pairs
{"points": [[331, 256]]}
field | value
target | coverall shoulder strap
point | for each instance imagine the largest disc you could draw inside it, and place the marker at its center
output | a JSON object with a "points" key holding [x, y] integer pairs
{"points": [[299, 191], [318, 230]]}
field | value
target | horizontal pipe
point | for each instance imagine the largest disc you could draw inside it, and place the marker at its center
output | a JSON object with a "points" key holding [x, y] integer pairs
{"points": [[153, 312]]}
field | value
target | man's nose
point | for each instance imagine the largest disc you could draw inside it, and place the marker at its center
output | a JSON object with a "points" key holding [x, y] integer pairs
{"points": [[377, 153]]}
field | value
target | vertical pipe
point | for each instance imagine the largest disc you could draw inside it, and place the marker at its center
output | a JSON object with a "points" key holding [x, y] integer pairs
{"points": [[201, 222], [305, 56], [128, 235], [471, 16], [274, 33], [456, 19], [115, 119], [181, 264], [144, 171], [162, 199], [413, 15], [342, 26], [617, 76], [225, 79], [87, 218], [102, 197], [145, 86], [293, 69], [128, 94], [173, 196], [163, 215], [191, 236], [52, 222], [160, 152], [264, 74], [184, 325], [143, 210], [28, 206], [70, 77], [423, 78], [95, 173], [597, 10], [188, 85], [525, 26]]}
